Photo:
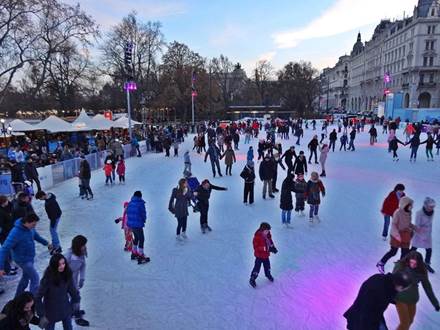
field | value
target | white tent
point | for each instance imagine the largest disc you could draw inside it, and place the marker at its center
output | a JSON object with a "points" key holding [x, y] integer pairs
{"points": [[54, 124], [123, 123], [102, 123], [83, 123], [18, 125]]}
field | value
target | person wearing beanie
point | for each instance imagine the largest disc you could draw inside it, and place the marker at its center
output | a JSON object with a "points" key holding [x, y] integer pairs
{"points": [[374, 296], [263, 246], [315, 188], [390, 205], [300, 165], [136, 217], [229, 156], [248, 175], [423, 233], [401, 232], [406, 301]]}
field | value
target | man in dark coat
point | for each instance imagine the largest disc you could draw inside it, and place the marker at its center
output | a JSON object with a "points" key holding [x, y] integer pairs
{"points": [[300, 166], [333, 137], [313, 147], [31, 173], [84, 176], [266, 172], [373, 299], [203, 195], [21, 206], [214, 156], [248, 174], [289, 155], [352, 137]]}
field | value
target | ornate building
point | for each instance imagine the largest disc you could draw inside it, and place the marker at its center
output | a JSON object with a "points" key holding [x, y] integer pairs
{"points": [[401, 57]]}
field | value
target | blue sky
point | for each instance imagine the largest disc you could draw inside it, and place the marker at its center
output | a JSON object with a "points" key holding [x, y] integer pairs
{"points": [[248, 31]]}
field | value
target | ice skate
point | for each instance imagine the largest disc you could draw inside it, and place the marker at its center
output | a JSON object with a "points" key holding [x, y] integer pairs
{"points": [[429, 268], [270, 278], [301, 213], [179, 238], [253, 283], [143, 260], [184, 235], [380, 267], [384, 238], [316, 217], [208, 228], [203, 230], [311, 219], [81, 322]]}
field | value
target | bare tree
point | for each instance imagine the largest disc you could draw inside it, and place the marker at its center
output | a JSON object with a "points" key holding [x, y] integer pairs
{"points": [[263, 74]]}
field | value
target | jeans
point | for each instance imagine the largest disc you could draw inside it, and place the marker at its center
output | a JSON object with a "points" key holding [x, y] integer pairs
{"points": [[122, 178], [215, 163], [332, 145], [313, 210], [203, 217], [181, 225], [285, 216], [67, 324], [267, 185], [351, 145], [386, 225], [248, 192], [429, 153], [108, 179], [139, 238], [257, 267], [313, 152], [228, 169], [298, 140], [29, 274], [53, 233], [414, 152]]}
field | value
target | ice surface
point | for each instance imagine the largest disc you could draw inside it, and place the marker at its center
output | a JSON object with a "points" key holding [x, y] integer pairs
{"points": [[203, 283]]}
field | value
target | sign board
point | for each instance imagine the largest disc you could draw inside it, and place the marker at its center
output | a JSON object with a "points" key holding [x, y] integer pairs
{"points": [[5, 185]]}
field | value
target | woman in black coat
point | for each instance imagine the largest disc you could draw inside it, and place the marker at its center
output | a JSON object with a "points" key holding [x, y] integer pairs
{"points": [[57, 294], [19, 313], [178, 205], [286, 202], [300, 165], [203, 195]]}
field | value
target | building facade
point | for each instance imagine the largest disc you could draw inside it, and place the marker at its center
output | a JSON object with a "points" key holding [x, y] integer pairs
{"points": [[401, 57]]}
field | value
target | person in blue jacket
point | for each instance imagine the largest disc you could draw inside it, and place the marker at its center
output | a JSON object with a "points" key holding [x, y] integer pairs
{"points": [[136, 217], [250, 154], [21, 243]]}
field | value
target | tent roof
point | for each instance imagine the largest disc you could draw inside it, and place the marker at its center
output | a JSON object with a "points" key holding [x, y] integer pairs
{"points": [[83, 123], [123, 122], [19, 125], [102, 123], [54, 124]]}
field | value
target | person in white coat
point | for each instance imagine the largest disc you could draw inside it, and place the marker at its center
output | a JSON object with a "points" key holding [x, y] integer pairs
{"points": [[423, 233], [324, 149]]}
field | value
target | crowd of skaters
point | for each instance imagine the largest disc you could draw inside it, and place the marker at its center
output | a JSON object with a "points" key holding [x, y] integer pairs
{"points": [[222, 143]]}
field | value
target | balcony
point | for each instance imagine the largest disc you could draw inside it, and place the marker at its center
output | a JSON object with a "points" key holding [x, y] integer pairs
{"points": [[405, 85]]}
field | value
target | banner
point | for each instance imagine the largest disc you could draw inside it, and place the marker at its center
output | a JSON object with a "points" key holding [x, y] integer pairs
{"points": [[5, 185], [45, 176]]}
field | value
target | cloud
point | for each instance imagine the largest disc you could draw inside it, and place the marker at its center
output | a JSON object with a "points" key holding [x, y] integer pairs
{"points": [[267, 56], [250, 64], [343, 16]]}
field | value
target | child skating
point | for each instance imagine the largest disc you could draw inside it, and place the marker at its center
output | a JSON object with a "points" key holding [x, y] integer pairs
{"points": [[108, 172], [315, 188], [120, 169], [263, 246], [128, 234], [300, 194]]}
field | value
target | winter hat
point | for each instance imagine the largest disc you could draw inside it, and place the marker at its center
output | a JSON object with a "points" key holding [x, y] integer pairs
{"points": [[405, 201], [108, 161], [429, 202], [265, 226], [250, 163], [137, 194]]}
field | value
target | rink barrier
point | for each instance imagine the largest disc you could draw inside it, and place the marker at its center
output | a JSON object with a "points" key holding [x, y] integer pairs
{"points": [[54, 174]]}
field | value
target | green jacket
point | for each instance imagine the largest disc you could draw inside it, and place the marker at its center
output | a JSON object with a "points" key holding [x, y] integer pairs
{"points": [[411, 295]]}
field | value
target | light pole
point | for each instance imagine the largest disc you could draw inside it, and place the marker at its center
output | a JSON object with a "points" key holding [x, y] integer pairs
{"points": [[129, 86]]}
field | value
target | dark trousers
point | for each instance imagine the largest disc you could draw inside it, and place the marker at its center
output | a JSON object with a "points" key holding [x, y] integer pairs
{"points": [[427, 256], [122, 178], [392, 252], [108, 179], [228, 169], [332, 145], [248, 192], [167, 152], [215, 163], [203, 217], [299, 204], [351, 145], [139, 237], [414, 152], [257, 267], [37, 182], [181, 225], [260, 154], [274, 180], [138, 151], [85, 187], [313, 152], [176, 152], [395, 153]]}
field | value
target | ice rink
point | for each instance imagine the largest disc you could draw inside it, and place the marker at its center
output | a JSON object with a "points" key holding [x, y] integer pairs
{"points": [[203, 282]]}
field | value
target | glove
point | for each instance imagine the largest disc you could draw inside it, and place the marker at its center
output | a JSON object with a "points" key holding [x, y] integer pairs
{"points": [[81, 283], [273, 249], [43, 322]]}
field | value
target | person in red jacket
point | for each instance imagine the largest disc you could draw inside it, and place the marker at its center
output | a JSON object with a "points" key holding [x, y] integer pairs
{"points": [[108, 168], [263, 246], [120, 169], [390, 205]]}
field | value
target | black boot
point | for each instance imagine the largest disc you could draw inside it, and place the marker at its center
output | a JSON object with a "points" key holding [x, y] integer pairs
{"points": [[82, 323], [252, 282]]}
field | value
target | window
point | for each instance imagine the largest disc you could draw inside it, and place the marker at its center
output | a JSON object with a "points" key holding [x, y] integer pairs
{"points": [[431, 61], [431, 78], [411, 45], [433, 29], [427, 43], [429, 29], [433, 12], [425, 61]]}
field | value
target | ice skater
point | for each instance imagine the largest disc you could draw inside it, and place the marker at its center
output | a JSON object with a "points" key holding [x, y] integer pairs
{"points": [[108, 172], [203, 195], [248, 175], [120, 169], [128, 234], [324, 150], [401, 232], [313, 147], [286, 201], [229, 156], [186, 162], [315, 188], [393, 146], [136, 217], [263, 246], [178, 205], [300, 189], [390, 205]]}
